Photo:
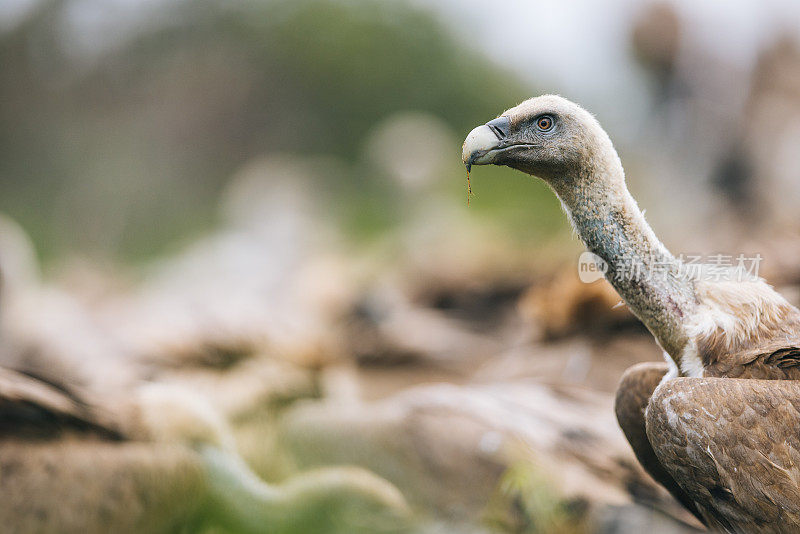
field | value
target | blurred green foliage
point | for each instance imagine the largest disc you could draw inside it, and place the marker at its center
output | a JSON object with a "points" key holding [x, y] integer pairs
{"points": [[527, 504], [123, 151]]}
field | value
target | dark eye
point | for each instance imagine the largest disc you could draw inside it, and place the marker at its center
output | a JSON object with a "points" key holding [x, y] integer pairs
{"points": [[544, 123]]}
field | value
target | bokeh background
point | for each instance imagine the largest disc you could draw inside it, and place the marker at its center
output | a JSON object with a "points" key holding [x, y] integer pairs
{"points": [[263, 202]]}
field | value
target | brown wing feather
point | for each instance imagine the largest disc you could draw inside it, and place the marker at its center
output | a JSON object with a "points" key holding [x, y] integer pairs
{"points": [[775, 361], [733, 446], [634, 392], [33, 407]]}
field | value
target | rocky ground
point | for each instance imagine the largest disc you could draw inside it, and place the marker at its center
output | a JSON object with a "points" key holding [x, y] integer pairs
{"points": [[483, 392]]}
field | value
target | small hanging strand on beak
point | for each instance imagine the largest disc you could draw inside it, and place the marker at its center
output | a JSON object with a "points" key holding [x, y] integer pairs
{"points": [[469, 186]]}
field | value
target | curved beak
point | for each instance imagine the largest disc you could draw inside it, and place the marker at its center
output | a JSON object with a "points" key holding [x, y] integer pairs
{"points": [[481, 143]]}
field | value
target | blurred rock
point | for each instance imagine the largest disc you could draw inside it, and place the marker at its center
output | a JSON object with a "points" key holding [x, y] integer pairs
{"points": [[253, 385], [200, 325], [95, 487], [448, 447], [69, 465], [633, 518], [387, 329], [160, 459], [49, 333], [581, 360], [564, 306]]}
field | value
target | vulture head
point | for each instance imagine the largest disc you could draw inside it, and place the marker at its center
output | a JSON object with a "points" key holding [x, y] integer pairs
{"points": [[547, 136]]}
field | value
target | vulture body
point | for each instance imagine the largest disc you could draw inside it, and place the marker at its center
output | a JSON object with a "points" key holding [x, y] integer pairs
{"points": [[717, 424]]}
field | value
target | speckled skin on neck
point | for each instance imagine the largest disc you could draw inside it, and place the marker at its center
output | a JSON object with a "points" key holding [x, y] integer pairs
{"points": [[641, 269]]}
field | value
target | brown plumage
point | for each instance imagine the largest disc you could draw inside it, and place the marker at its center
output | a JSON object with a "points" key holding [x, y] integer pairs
{"points": [[735, 447], [721, 446], [633, 394]]}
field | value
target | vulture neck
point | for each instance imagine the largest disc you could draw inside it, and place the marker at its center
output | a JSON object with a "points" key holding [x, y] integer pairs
{"points": [[641, 269]]}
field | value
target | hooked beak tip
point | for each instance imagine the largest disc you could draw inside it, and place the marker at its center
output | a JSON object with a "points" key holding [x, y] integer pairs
{"points": [[479, 142]]}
